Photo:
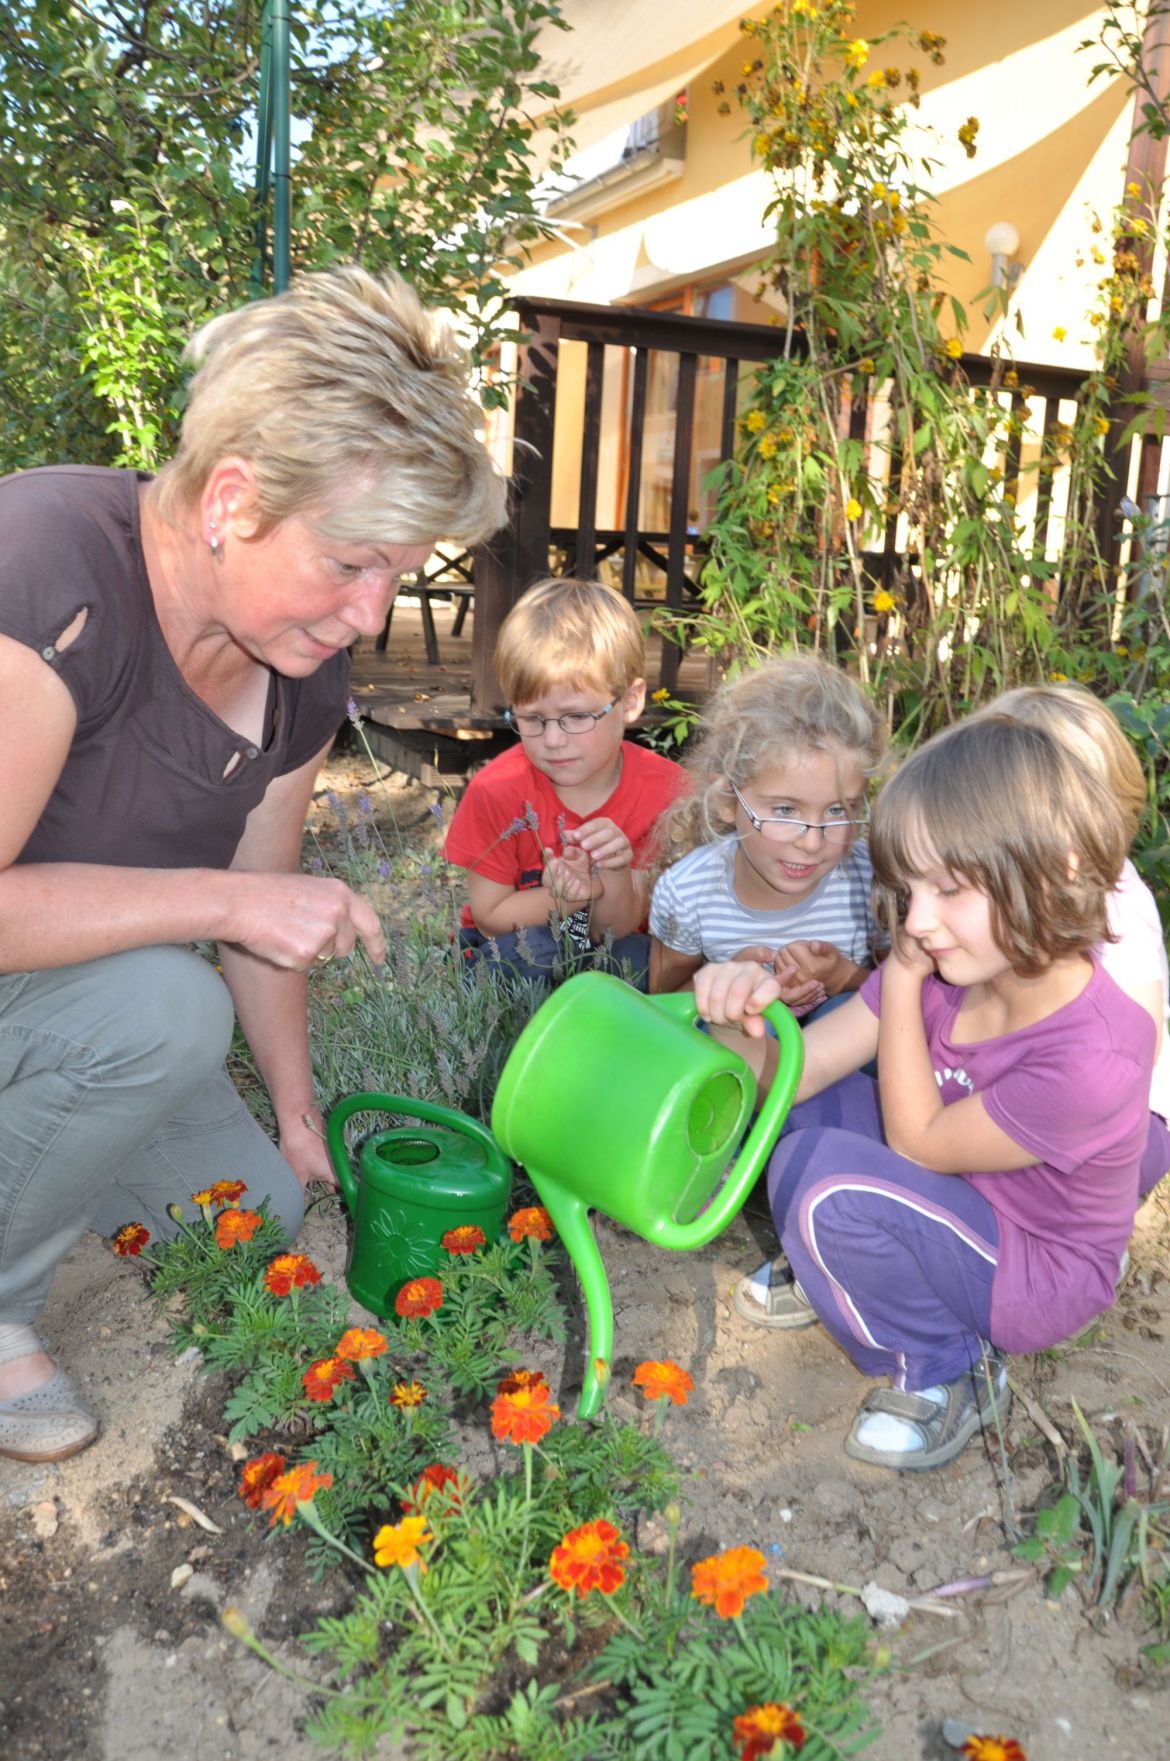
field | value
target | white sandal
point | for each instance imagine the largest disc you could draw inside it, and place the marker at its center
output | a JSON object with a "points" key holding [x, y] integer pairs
{"points": [[46, 1424]]}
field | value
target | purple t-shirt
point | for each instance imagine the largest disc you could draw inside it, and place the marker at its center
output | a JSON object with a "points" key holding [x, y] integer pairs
{"points": [[1071, 1089]]}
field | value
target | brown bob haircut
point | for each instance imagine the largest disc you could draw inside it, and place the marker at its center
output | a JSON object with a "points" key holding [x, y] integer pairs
{"points": [[1001, 805]]}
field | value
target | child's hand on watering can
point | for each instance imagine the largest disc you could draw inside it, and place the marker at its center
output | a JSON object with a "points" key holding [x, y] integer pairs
{"points": [[798, 990], [605, 843], [570, 877], [734, 993]]}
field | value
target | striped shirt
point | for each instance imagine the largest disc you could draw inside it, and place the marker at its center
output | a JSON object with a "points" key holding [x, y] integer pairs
{"points": [[695, 909]]}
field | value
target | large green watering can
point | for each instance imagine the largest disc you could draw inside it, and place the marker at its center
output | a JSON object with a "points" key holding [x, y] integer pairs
{"points": [[415, 1182], [614, 1102]]}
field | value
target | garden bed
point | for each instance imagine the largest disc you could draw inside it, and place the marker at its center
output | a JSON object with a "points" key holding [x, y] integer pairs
{"points": [[111, 1645]]}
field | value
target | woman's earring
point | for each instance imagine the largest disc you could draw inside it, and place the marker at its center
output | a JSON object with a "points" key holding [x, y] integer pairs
{"points": [[215, 544]]}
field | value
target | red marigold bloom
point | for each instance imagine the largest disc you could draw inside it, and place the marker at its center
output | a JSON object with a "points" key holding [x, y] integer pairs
{"points": [[525, 1416], [130, 1240], [726, 1580], [322, 1379], [407, 1394], [758, 1730], [258, 1474], [465, 1239], [295, 1486], [438, 1477], [589, 1558], [288, 1269], [227, 1192], [532, 1220], [421, 1296], [663, 1381], [233, 1226], [517, 1379], [359, 1343], [399, 1544], [993, 1749]]}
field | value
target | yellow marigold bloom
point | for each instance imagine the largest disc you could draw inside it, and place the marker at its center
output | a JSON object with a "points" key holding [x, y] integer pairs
{"points": [[1133, 189], [1058, 678], [659, 696], [760, 145], [803, 9], [1100, 424], [953, 347], [399, 1544], [876, 79], [878, 192], [883, 601], [853, 508], [748, 67], [857, 53], [768, 447], [754, 421], [1059, 333], [866, 366], [407, 1394]]}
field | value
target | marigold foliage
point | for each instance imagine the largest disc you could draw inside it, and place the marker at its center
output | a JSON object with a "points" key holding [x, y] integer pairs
{"points": [[464, 1239], [532, 1221], [524, 1416], [726, 1580], [663, 1380], [421, 1296], [130, 1240], [295, 1486], [588, 1559], [399, 1543], [758, 1731]]}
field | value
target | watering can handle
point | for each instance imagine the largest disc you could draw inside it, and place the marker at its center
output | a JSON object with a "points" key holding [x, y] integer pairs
{"points": [[685, 1237], [344, 1111]]}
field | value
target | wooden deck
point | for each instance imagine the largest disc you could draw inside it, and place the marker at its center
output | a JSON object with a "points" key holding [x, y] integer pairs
{"points": [[418, 717]]}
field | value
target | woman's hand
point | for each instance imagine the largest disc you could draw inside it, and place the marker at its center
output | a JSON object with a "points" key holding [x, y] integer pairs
{"points": [[735, 993], [295, 920], [302, 1144]]}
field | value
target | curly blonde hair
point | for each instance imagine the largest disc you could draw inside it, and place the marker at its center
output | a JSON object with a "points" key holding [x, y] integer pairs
{"points": [[760, 721]]}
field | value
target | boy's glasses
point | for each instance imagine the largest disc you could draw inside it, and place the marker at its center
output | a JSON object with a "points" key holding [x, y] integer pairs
{"points": [[787, 831], [578, 721]]}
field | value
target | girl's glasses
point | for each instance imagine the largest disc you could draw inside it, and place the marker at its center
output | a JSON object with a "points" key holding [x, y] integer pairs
{"points": [[787, 831], [578, 721]]}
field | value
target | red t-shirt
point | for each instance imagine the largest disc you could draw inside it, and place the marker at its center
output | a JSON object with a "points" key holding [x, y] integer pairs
{"points": [[511, 813]]}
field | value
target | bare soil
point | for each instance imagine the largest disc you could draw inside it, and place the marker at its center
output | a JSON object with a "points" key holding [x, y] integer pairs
{"points": [[111, 1647]]}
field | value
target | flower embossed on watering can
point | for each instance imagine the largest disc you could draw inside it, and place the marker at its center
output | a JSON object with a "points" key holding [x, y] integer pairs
{"points": [[614, 1102], [413, 1183]]}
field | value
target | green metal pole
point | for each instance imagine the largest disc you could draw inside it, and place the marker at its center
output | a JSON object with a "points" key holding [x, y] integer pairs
{"points": [[263, 154], [282, 209]]}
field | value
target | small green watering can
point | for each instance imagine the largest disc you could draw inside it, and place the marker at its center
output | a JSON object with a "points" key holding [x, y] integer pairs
{"points": [[614, 1102], [415, 1182]]}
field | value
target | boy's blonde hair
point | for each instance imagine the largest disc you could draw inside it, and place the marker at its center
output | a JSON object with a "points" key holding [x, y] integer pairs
{"points": [[1090, 731], [351, 403], [1004, 807], [564, 631], [758, 722]]}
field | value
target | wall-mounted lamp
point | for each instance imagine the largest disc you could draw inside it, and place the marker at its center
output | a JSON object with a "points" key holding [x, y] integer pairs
{"points": [[1003, 241]]}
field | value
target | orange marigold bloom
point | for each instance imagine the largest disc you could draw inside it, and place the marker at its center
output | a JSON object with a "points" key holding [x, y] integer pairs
{"points": [[258, 1474], [758, 1730], [465, 1239], [589, 1558], [407, 1394], [421, 1296], [532, 1220], [295, 1486], [360, 1342], [438, 1477], [525, 1416], [517, 1379], [322, 1379], [233, 1226], [130, 1240], [726, 1580], [663, 1381], [993, 1749], [288, 1269], [399, 1544]]}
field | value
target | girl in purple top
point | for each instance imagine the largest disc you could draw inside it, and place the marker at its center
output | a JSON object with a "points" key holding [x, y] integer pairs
{"points": [[977, 1197]]}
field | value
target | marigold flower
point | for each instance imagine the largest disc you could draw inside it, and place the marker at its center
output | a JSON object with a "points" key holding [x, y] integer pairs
{"points": [[525, 1416], [993, 1749], [517, 1379], [660, 696], [233, 1226], [758, 1730], [130, 1240], [663, 1381], [853, 508], [464, 1239], [322, 1379], [768, 446], [726, 1580], [421, 1296], [531, 1220], [360, 1342], [227, 1192], [754, 421], [295, 1486], [257, 1475], [407, 1394], [438, 1477], [857, 53], [589, 1558], [399, 1544], [952, 348], [883, 601], [288, 1269]]}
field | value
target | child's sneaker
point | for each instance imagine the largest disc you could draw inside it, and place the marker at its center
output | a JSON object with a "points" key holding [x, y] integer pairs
{"points": [[772, 1297]]}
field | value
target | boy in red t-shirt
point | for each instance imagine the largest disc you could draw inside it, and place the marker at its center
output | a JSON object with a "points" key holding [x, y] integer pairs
{"points": [[554, 834]]}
